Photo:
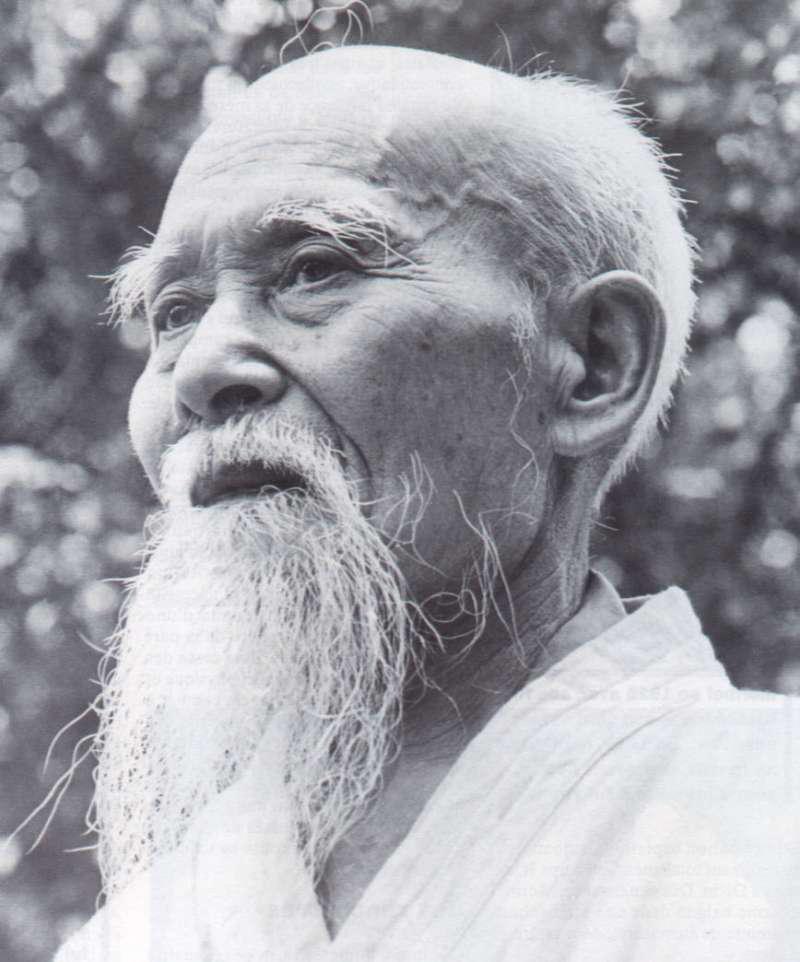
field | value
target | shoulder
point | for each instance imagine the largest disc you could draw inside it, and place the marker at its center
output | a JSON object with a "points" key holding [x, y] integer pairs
{"points": [[732, 760], [721, 729], [756, 727]]}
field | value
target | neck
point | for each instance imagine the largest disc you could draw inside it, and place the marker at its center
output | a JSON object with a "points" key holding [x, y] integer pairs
{"points": [[548, 611], [550, 607]]}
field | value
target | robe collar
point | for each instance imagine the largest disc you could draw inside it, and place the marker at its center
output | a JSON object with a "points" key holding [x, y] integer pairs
{"points": [[499, 794]]}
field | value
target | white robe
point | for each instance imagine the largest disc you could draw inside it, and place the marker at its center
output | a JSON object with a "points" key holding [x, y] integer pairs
{"points": [[627, 806]]}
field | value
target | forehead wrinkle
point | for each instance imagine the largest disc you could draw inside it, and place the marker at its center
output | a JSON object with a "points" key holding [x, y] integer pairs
{"points": [[255, 162], [216, 155], [257, 159], [260, 135]]}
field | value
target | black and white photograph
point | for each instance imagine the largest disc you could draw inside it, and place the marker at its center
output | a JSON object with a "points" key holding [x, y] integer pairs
{"points": [[399, 481]]}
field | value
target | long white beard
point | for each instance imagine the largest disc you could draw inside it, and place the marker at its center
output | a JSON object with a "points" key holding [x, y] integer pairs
{"points": [[289, 603]]}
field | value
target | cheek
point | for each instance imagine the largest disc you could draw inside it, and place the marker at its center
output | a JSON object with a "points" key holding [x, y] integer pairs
{"points": [[148, 423], [446, 397]]}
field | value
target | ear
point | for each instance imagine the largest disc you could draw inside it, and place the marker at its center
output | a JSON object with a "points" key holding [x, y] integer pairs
{"points": [[610, 339]]}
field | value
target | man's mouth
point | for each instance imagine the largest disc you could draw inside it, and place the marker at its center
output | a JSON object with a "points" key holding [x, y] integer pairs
{"points": [[245, 481]]}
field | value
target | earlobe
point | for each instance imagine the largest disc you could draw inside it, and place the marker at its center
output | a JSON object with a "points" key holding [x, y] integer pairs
{"points": [[611, 337]]}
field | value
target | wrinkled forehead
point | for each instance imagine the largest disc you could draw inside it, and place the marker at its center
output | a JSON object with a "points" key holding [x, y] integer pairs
{"points": [[364, 124]]}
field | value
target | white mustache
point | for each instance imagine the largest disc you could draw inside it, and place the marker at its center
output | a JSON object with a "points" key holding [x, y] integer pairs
{"points": [[257, 445]]}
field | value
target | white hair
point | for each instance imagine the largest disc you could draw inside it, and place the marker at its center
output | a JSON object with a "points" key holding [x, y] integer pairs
{"points": [[592, 193]]}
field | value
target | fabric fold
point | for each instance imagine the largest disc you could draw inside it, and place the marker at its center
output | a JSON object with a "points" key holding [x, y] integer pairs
{"points": [[629, 805]]}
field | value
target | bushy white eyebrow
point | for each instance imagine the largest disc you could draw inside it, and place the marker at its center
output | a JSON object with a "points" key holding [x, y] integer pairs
{"points": [[132, 279], [349, 224]]}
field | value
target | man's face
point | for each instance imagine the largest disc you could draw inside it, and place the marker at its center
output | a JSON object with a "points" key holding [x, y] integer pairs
{"points": [[393, 339]]}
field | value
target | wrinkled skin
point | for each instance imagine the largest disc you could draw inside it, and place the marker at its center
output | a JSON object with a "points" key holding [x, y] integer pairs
{"points": [[388, 356]]}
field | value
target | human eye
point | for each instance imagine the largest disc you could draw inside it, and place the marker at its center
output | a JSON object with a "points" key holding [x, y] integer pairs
{"points": [[314, 265], [174, 314]]}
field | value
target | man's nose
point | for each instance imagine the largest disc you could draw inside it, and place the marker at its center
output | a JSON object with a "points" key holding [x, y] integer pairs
{"points": [[224, 369]]}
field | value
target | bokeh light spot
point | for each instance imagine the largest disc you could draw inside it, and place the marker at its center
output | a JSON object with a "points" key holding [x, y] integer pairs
{"points": [[41, 618], [763, 340], [299, 9], [123, 69], [779, 549], [84, 514], [24, 182], [99, 598], [787, 69], [694, 483], [222, 88], [11, 548], [730, 413], [12, 155], [12, 217], [649, 11], [247, 17], [81, 23], [324, 19], [10, 855]]}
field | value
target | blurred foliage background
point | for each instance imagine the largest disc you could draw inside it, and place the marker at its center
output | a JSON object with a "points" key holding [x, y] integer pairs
{"points": [[98, 102]]}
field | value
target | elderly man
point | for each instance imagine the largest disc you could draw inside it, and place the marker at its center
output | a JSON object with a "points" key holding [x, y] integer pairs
{"points": [[410, 317]]}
